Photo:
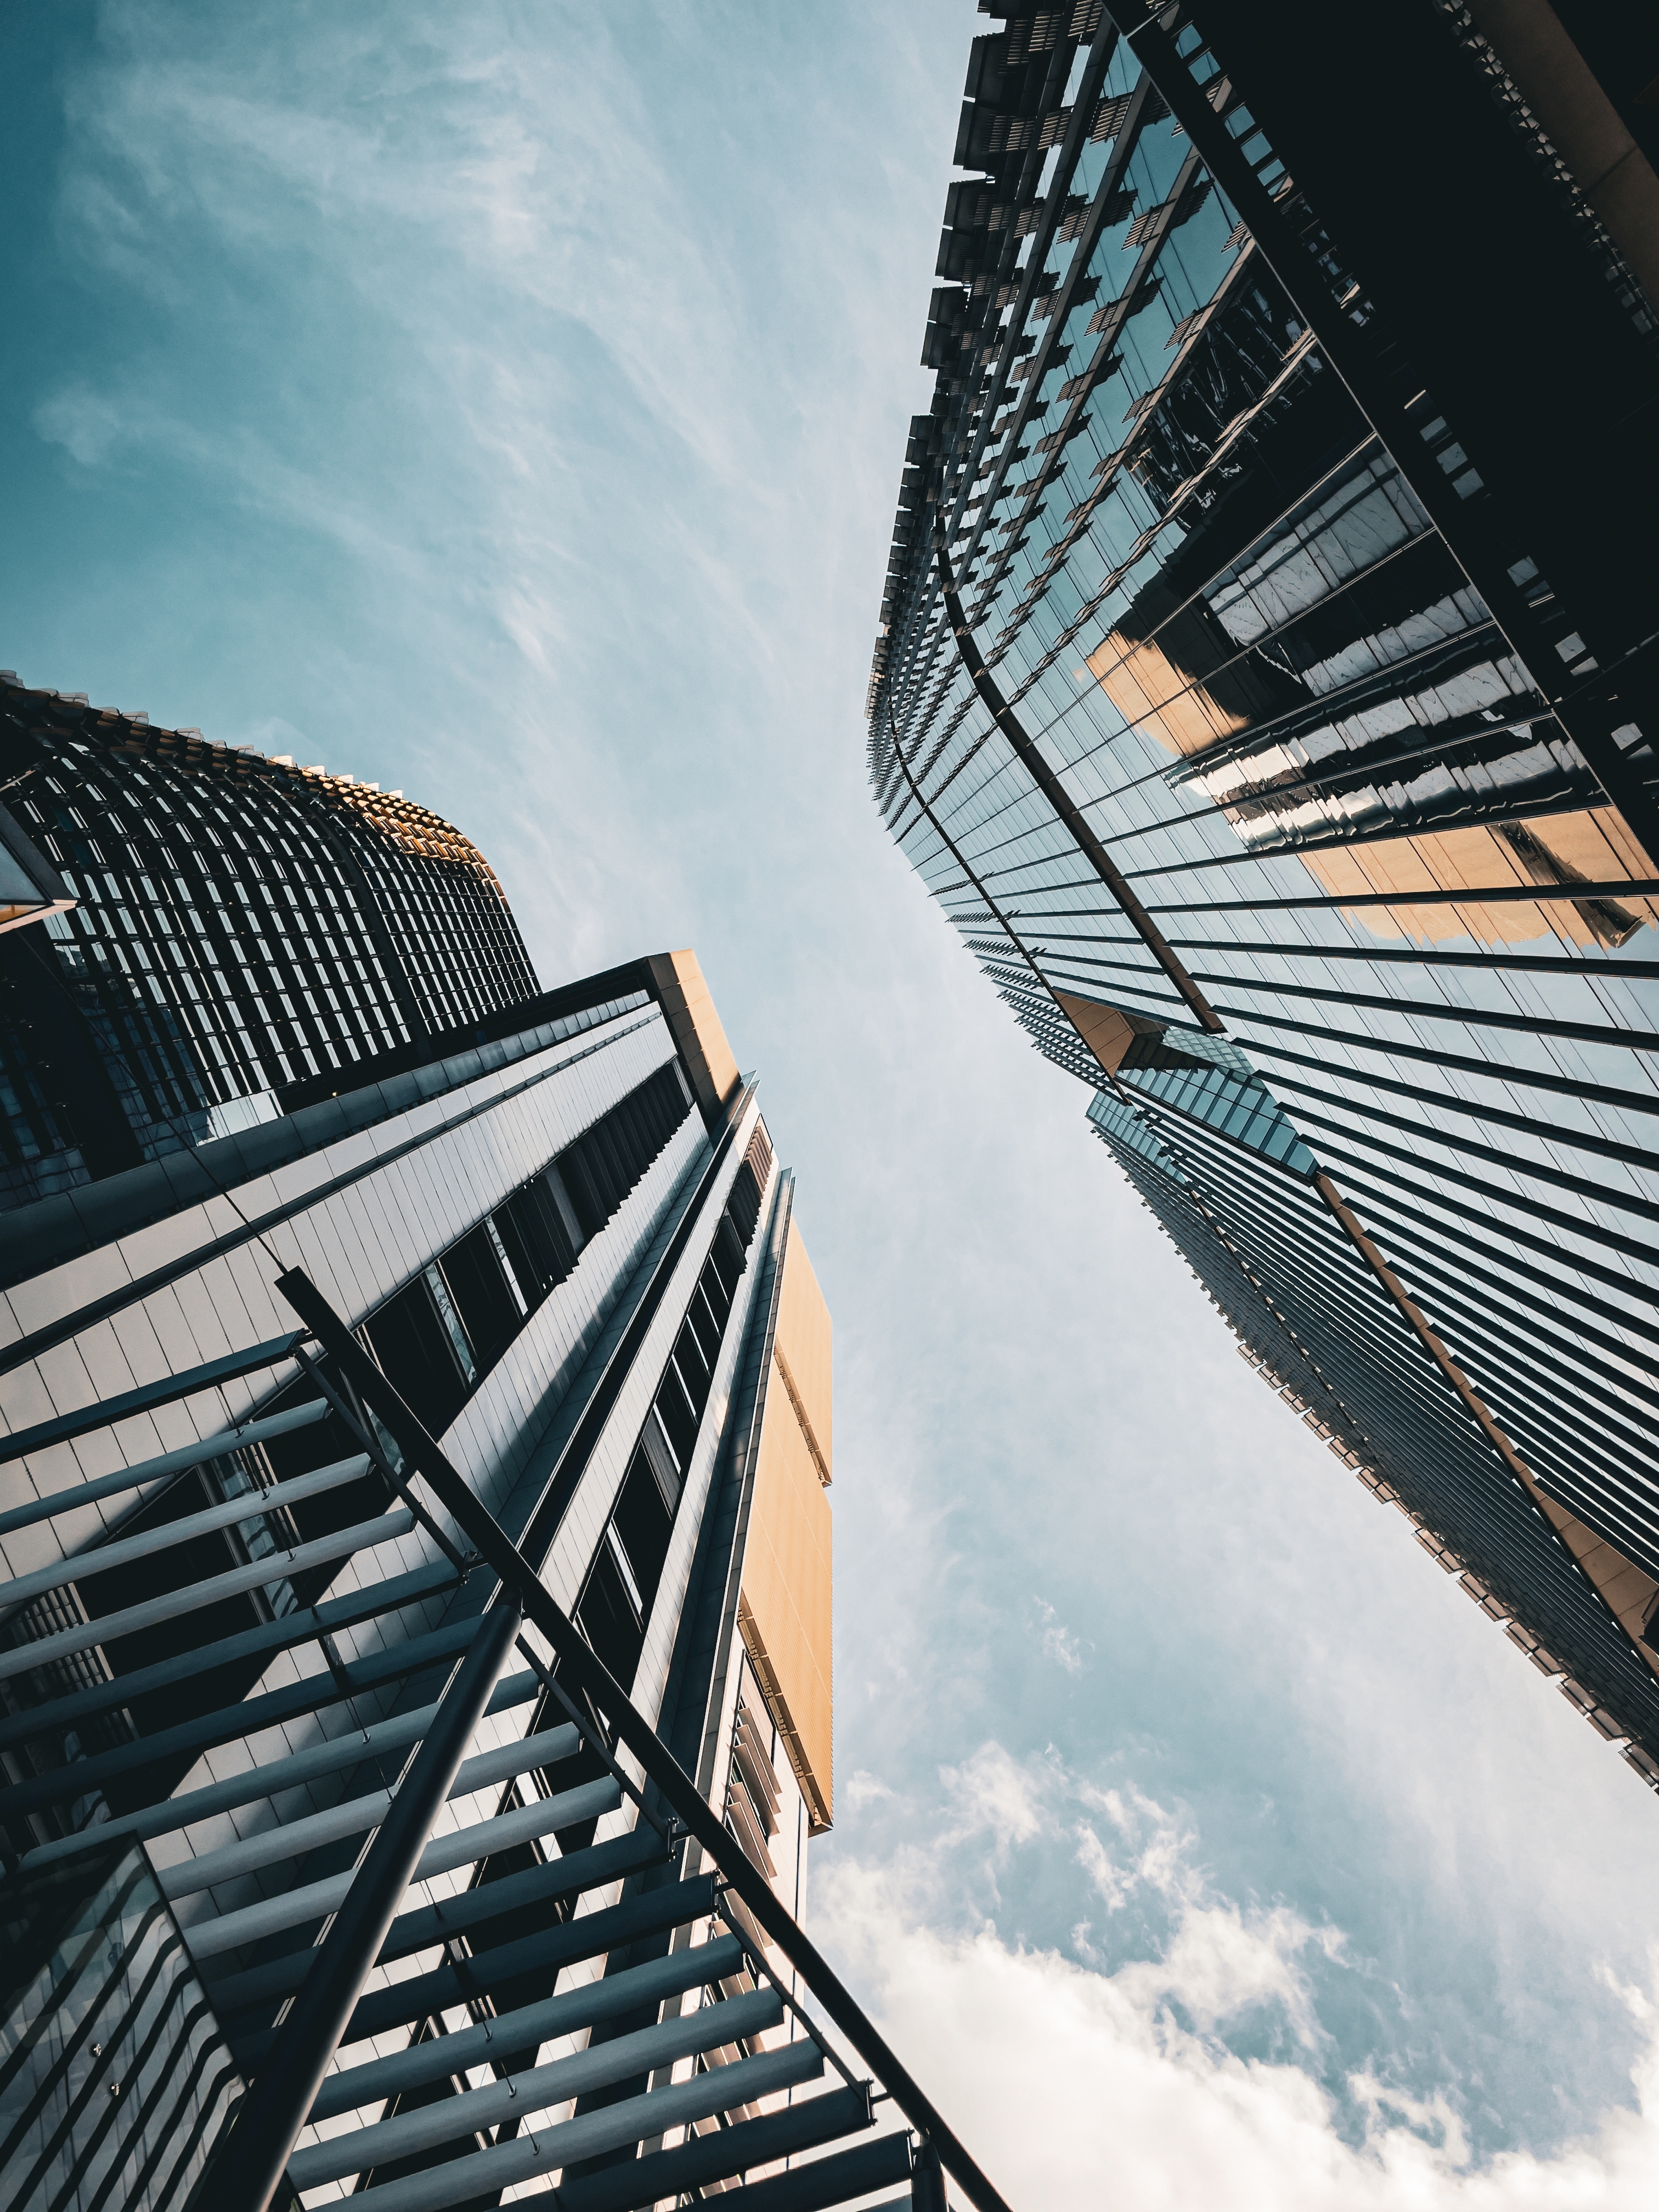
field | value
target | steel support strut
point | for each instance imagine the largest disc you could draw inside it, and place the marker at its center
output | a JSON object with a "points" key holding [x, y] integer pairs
{"points": [[590, 1673], [257, 2150]]}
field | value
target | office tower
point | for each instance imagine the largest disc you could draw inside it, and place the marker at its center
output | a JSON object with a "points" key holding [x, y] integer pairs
{"points": [[239, 933], [330, 1852], [1265, 688]]}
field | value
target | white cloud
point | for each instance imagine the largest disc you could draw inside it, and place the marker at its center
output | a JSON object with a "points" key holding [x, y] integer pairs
{"points": [[1113, 1881], [862, 1788], [1077, 2085], [1060, 1644], [88, 424], [993, 1791]]}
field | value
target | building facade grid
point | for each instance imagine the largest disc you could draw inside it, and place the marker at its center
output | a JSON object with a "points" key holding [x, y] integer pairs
{"points": [[240, 926], [1272, 718]]}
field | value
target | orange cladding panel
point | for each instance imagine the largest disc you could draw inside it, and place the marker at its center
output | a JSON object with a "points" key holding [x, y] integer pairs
{"points": [[1593, 846], [696, 1028], [784, 1609], [1152, 694], [803, 1348]]}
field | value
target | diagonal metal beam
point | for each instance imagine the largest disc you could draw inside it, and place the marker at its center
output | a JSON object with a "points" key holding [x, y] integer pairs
{"points": [[681, 1794], [255, 2154]]}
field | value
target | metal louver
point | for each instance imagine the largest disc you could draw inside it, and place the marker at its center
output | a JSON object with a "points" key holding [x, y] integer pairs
{"points": [[593, 1986]]}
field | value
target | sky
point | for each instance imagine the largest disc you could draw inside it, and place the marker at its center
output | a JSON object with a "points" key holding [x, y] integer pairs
{"points": [[507, 403]]}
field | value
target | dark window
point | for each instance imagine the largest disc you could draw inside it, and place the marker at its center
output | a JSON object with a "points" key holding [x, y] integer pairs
{"points": [[717, 1294], [415, 1356], [679, 1418], [589, 1185], [607, 1618], [729, 1255], [699, 1319], [742, 1207], [644, 1523], [488, 1311], [537, 1242], [695, 1370], [654, 1444]]}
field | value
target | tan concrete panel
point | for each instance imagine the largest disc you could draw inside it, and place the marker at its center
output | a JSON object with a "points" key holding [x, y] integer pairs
{"points": [[784, 1605], [804, 1348], [689, 1012]]}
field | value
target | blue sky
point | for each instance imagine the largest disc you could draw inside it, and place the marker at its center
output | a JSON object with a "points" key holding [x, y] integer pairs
{"points": [[507, 403]]}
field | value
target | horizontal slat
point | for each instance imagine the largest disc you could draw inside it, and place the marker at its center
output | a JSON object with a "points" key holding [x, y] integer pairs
{"points": [[532, 2156], [210, 1939], [170, 1463], [589, 1935], [538, 2089], [833, 2180], [80, 1566], [592, 1802], [64, 1427], [505, 1760], [604, 1998], [307, 1695], [256, 1989], [256, 1782], [334, 1613], [670, 2174], [291, 1839], [110, 1626]]}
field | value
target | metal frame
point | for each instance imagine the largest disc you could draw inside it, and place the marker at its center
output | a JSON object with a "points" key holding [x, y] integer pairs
{"points": [[633, 1731]]}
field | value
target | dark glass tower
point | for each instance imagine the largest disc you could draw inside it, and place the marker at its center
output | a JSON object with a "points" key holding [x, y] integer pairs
{"points": [[241, 931], [1267, 689]]}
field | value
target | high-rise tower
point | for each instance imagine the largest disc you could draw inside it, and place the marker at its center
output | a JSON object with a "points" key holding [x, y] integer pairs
{"points": [[415, 1682], [1266, 688], [238, 931]]}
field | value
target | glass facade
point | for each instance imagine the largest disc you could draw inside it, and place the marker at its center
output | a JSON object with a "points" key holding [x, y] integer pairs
{"points": [[235, 1614], [114, 2077], [1267, 702], [242, 929]]}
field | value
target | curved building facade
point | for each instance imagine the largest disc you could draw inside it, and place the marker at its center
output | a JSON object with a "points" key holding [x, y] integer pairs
{"points": [[238, 931], [1266, 691]]}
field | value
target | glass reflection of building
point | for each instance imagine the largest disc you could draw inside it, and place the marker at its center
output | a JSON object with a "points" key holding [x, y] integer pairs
{"points": [[1265, 689]]}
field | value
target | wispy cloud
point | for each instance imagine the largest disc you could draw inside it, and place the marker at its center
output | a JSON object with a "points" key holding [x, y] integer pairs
{"points": [[1077, 2082], [1058, 1641]]}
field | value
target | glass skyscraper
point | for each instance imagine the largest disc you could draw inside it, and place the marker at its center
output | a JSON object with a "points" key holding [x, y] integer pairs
{"points": [[234, 931], [1265, 689], [416, 1662]]}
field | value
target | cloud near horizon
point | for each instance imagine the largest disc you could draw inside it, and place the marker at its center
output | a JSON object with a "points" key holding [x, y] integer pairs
{"points": [[1076, 2083]]}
